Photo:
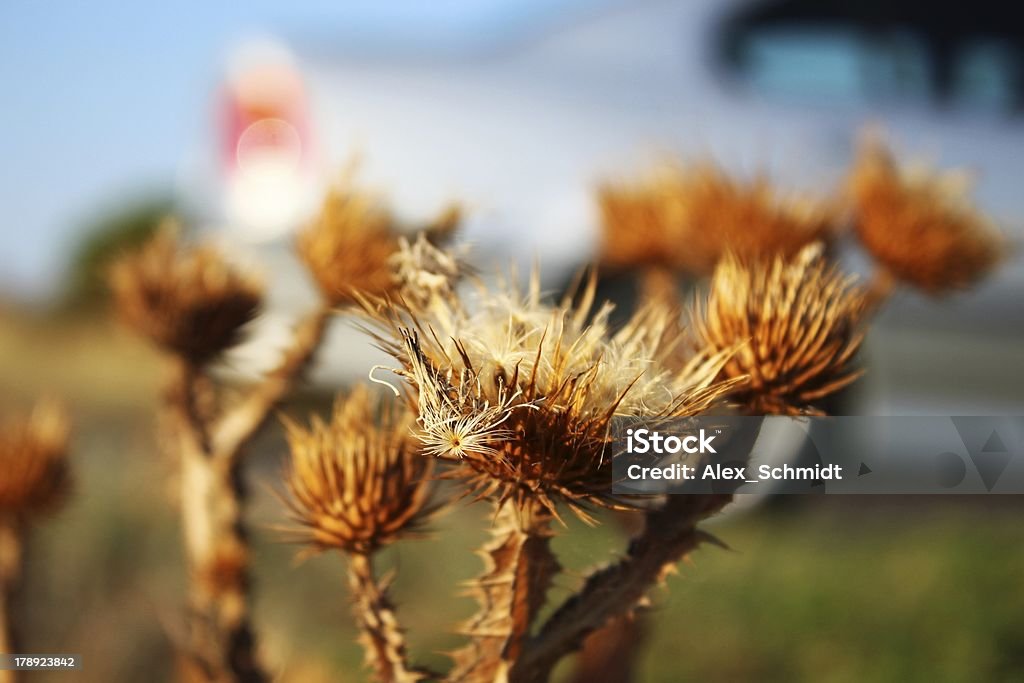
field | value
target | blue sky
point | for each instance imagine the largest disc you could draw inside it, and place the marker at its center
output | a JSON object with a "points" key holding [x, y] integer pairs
{"points": [[102, 99]]}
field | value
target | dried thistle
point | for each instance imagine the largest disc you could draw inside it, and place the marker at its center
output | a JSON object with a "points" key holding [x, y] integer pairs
{"points": [[522, 393], [190, 302], [186, 299], [351, 245], [686, 218], [33, 480], [348, 245], [33, 466], [520, 396], [920, 225], [357, 483], [422, 271], [799, 323]]}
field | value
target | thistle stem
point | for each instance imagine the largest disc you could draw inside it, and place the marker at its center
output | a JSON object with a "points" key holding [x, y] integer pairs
{"points": [[511, 591], [669, 534], [218, 554], [235, 429], [11, 559], [383, 638], [221, 639]]}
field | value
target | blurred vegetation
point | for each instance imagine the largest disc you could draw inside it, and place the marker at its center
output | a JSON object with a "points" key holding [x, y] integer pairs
{"points": [[106, 236], [854, 589]]}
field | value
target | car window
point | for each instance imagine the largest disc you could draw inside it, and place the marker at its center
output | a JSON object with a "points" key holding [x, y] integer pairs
{"points": [[835, 66], [985, 76], [838, 59]]}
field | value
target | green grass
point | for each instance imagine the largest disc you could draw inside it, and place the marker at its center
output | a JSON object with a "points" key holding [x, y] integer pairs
{"points": [[911, 592]]}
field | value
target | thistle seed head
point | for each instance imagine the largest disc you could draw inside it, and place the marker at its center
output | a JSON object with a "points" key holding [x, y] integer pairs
{"points": [[521, 394], [354, 243], [686, 218], [34, 475], [347, 246], [186, 299], [920, 225], [798, 322], [423, 272], [358, 481]]}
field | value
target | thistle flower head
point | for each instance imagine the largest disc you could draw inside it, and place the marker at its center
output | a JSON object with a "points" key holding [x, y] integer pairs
{"points": [[347, 246], [798, 323], [920, 225], [423, 272], [351, 245], [33, 461], [521, 394], [358, 482], [186, 299], [686, 218]]}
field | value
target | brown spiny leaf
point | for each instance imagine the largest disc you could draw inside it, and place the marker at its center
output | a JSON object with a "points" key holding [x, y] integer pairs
{"points": [[380, 634]]}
